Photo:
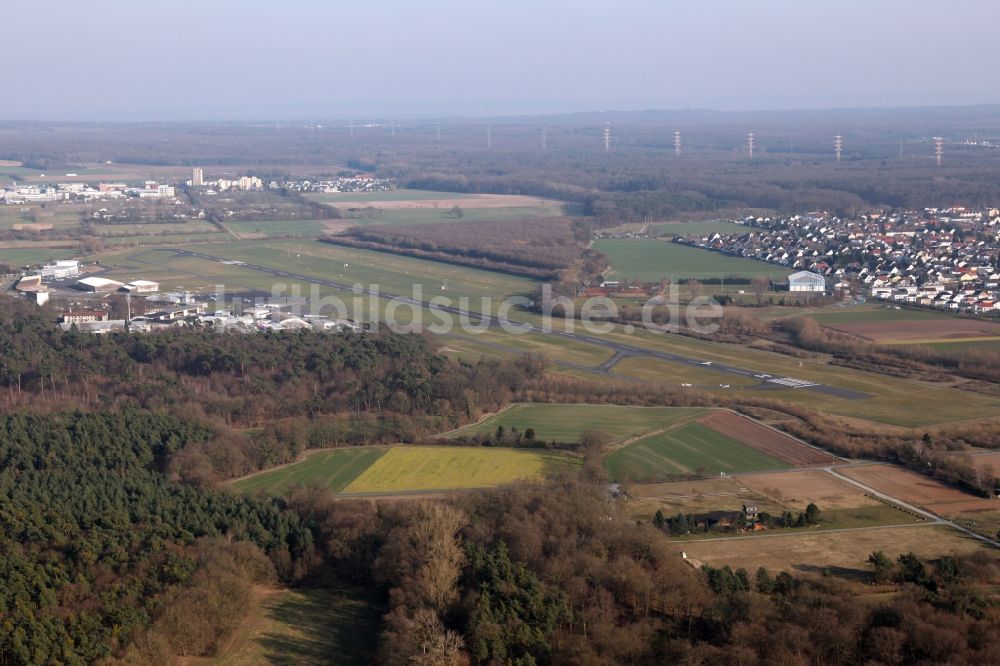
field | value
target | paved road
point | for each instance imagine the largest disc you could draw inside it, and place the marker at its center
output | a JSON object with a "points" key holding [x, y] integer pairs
{"points": [[621, 350]]}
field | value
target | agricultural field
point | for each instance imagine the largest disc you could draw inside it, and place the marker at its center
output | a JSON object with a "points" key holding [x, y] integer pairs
{"points": [[919, 490], [651, 260], [566, 423], [764, 439], [796, 489], [308, 627], [886, 325], [842, 506], [844, 553], [408, 469], [690, 449], [421, 468], [336, 469]]}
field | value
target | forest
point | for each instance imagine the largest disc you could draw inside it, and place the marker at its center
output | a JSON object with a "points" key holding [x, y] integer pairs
{"points": [[96, 539], [120, 544], [538, 575]]}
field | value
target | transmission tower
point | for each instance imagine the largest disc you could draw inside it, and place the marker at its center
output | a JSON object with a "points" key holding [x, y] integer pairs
{"points": [[677, 143], [838, 145], [938, 149]]}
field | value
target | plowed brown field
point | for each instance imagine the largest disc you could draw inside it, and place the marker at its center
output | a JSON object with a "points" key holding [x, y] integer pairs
{"points": [[764, 439]]}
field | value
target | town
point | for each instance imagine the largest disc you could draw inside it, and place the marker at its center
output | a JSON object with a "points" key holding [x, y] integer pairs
{"points": [[946, 258]]}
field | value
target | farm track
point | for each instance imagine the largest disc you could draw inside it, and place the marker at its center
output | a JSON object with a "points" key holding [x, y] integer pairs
{"points": [[617, 348]]}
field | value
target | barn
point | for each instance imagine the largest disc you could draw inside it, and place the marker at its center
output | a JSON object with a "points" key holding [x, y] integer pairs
{"points": [[806, 281]]}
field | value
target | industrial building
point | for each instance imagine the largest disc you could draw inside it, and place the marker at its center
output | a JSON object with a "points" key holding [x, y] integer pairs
{"points": [[141, 286], [98, 285], [806, 281], [61, 270]]}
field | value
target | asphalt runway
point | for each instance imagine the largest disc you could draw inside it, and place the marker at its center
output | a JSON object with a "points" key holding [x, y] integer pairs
{"points": [[621, 350]]}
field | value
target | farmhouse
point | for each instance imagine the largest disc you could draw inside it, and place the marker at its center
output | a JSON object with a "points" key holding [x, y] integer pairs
{"points": [[97, 285], [806, 281]]}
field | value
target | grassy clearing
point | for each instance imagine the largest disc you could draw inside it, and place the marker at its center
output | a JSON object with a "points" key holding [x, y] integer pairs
{"points": [[416, 468], [24, 256], [565, 423], [337, 469], [693, 448], [675, 374], [278, 227], [651, 260], [308, 627]]}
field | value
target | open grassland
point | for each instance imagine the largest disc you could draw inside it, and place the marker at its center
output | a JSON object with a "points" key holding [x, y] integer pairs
{"points": [[566, 423], [650, 260], [690, 449], [658, 371], [335, 469], [845, 553], [392, 273], [308, 627], [29, 256], [418, 468]]}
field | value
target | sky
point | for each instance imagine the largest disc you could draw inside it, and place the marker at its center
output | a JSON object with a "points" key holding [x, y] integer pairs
{"points": [[315, 59]]}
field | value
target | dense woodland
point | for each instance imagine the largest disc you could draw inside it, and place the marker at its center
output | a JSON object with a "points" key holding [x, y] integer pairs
{"points": [[95, 538], [118, 542], [540, 575]]}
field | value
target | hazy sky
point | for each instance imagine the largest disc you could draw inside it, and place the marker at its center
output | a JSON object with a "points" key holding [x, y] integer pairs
{"points": [[211, 59]]}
